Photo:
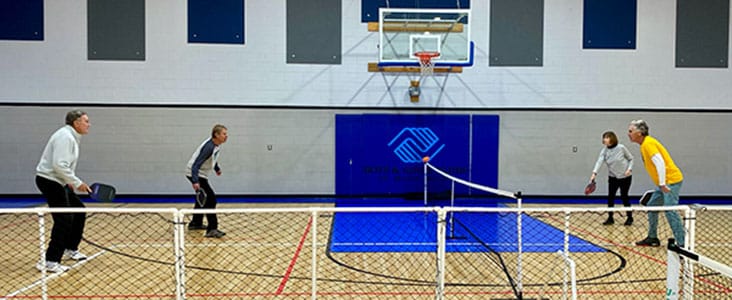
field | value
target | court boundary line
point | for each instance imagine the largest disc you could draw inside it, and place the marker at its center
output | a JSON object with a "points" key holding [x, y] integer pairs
{"points": [[53, 276], [295, 256]]}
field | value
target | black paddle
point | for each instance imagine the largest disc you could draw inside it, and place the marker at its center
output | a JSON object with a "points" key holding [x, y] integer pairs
{"points": [[102, 192]]}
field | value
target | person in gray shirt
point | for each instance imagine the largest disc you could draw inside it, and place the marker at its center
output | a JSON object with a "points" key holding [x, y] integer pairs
{"points": [[619, 163]]}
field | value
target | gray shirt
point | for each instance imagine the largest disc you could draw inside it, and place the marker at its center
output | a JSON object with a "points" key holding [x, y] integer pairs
{"points": [[618, 160]]}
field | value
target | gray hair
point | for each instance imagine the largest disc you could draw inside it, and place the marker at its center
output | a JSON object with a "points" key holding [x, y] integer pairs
{"points": [[73, 116], [218, 128], [641, 125]]}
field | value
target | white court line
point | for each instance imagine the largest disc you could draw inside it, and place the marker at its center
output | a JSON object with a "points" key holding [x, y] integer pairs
{"points": [[449, 244], [55, 275], [241, 245]]}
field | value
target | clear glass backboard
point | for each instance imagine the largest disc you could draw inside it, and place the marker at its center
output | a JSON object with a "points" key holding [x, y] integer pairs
{"points": [[404, 32]]}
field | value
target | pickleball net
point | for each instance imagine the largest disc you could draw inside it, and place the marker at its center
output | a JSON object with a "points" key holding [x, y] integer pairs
{"points": [[468, 232], [691, 275]]}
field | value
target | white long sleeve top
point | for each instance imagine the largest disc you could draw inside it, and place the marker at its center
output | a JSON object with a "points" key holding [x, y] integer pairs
{"points": [[58, 161]]}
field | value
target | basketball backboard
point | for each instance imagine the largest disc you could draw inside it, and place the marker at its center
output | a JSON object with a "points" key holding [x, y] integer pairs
{"points": [[403, 32]]}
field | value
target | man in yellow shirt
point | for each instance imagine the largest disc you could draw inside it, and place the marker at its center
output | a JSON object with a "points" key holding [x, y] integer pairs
{"points": [[667, 177]]}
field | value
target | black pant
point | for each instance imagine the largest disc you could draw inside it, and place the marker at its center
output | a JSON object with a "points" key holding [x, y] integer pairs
{"points": [[68, 228], [213, 222], [624, 185]]}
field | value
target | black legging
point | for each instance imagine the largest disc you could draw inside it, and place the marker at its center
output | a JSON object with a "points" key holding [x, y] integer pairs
{"points": [[213, 222], [624, 185], [68, 228]]}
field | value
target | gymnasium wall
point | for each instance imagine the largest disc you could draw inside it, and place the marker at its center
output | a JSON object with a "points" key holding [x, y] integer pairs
{"points": [[544, 111], [56, 69], [144, 150]]}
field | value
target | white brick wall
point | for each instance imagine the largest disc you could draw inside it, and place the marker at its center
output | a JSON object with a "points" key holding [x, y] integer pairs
{"points": [[144, 150], [56, 70]]}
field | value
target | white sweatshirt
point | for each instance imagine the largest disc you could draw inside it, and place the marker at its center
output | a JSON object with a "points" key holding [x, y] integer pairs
{"points": [[58, 161]]}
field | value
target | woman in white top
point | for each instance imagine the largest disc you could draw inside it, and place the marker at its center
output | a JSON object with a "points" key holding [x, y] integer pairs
{"points": [[619, 163]]}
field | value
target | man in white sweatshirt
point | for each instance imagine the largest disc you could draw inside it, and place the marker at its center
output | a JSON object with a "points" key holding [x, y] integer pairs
{"points": [[56, 179]]}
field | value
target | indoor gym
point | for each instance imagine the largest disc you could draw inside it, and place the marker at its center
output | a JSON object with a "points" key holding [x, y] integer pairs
{"points": [[311, 177]]}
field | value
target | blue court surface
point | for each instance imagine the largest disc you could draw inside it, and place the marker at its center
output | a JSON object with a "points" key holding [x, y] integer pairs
{"points": [[470, 232]]}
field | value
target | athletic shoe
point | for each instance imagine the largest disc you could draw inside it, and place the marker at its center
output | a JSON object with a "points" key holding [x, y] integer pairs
{"points": [[609, 221], [74, 254], [51, 267], [215, 233], [628, 221], [649, 242], [192, 226]]}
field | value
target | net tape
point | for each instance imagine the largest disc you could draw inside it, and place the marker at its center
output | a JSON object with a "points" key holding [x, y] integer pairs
{"points": [[473, 185]]}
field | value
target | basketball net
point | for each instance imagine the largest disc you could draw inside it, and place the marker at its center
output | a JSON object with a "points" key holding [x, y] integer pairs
{"points": [[426, 65]]}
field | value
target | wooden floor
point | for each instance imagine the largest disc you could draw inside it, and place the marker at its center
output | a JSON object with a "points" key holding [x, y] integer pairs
{"points": [[267, 255]]}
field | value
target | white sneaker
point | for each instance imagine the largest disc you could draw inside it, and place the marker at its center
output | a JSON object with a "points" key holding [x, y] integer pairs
{"points": [[74, 254], [51, 267]]}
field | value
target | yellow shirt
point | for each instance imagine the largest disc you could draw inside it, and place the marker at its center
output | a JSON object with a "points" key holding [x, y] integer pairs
{"points": [[651, 147]]}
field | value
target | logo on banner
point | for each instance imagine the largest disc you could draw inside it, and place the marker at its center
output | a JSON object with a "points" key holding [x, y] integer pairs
{"points": [[414, 143]]}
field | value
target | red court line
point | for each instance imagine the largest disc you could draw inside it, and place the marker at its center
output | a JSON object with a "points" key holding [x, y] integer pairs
{"points": [[294, 257], [30, 219], [120, 296], [702, 279], [601, 238]]}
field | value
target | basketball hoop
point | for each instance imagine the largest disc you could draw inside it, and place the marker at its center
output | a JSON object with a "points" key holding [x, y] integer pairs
{"points": [[426, 66]]}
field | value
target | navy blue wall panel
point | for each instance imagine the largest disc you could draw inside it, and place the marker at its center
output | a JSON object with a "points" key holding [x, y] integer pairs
{"points": [[21, 20], [609, 24], [219, 21], [381, 154], [370, 8]]}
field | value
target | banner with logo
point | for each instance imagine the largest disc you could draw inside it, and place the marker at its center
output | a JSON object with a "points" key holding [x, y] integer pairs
{"points": [[381, 154]]}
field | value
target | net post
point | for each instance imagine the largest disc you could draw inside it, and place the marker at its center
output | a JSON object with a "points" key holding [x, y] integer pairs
{"points": [[690, 220], [566, 231], [425, 181], [441, 241], [179, 239], [452, 212], [570, 263], [690, 239], [42, 243], [566, 249], [314, 262], [519, 269], [673, 269]]}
